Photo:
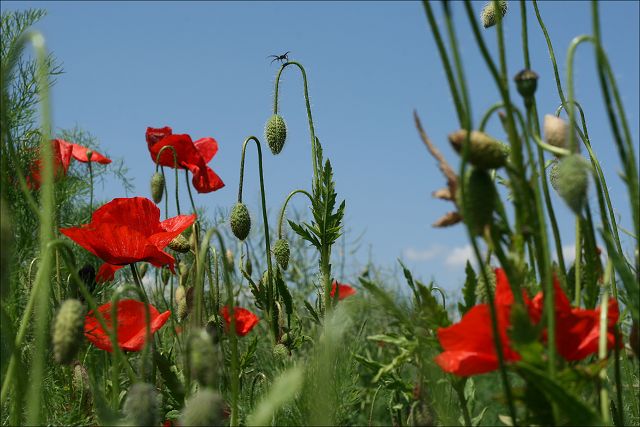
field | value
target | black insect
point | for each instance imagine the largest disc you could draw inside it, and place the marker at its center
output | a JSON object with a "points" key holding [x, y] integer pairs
{"points": [[282, 58]]}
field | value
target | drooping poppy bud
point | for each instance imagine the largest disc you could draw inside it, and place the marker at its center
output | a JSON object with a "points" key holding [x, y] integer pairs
{"points": [[479, 200], [485, 152], [573, 181], [489, 14], [68, 331], [553, 174], [180, 244], [203, 358], [275, 132], [141, 406], [240, 221], [157, 187], [205, 408], [526, 83], [282, 252], [556, 131]]}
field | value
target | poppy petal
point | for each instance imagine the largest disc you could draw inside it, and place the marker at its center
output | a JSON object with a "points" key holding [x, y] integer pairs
{"points": [[244, 319], [207, 147], [106, 272]]}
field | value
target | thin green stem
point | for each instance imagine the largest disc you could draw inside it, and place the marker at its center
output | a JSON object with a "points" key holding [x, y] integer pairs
{"points": [[89, 154], [175, 167], [577, 264], [459, 389], [284, 208]]}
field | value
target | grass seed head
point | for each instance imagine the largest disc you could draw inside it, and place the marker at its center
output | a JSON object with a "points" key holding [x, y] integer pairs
{"points": [[157, 187], [68, 331], [205, 408], [203, 358], [240, 221], [275, 132], [141, 406], [485, 152], [282, 253]]}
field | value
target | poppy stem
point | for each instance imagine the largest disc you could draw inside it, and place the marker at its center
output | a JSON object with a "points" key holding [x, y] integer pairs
{"points": [[458, 386], [175, 167], [89, 154], [284, 208]]}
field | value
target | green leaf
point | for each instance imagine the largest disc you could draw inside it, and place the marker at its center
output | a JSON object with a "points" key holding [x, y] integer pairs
{"points": [[469, 290], [312, 312], [174, 386]]}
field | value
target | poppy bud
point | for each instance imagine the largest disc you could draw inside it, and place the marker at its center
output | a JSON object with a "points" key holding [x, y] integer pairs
{"points": [[526, 83], [157, 187], [141, 406], [180, 244], [205, 408], [556, 131], [164, 275], [280, 352], [553, 174], [485, 152], [143, 269], [240, 221], [213, 327], [479, 200], [275, 132], [203, 358], [281, 252], [489, 13], [68, 331], [573, 181]]}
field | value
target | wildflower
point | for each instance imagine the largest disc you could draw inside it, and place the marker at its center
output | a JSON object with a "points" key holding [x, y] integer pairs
{"points": [[190, 155], [275, 131], [240, 221], [131, 325], [63, 152], [128, 230], [344, 291], [245, 320]]}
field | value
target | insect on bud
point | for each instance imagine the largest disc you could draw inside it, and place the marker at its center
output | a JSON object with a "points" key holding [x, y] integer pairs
{"points": [[485, 152], [489, 15], [205, 408], [573, 181], [141, 406], [282, 252], [68, 331], [479, 199], [157, 187], [275, 132], [240, 221], [180, 244], [526, 83], [556, 131], [203, 358]]}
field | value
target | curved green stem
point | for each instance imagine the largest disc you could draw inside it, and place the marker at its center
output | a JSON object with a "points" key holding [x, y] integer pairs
{"points": [[89, 154], [284, 208], [175, 167], [186, 179]]}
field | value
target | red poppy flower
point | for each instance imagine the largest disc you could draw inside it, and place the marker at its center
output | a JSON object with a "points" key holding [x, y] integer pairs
{"points": [[63, 151], [128, 230], [131, 325], [468, 345], [245, 320], [343, 290], [193, 156]]}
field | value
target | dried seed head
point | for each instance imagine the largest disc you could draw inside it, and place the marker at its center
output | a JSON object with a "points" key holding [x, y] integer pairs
{"points": [[526, 83], [240, 221], [141, 406], [180, 244], [157, 187], [68, 331], [275, 132], [447, 220], [479, 199], [556, 131], [203, 358], [573, 181], [489, 15], [281, 252], [205, 408], [485, 152]]}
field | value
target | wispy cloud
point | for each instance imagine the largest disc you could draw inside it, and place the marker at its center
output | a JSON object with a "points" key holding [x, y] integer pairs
{"points": [[459, 256], [413, 254], [569, 253]]}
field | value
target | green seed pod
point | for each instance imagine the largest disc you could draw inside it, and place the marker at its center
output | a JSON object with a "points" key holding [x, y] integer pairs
{"points": [[479, 200], [157, 187], [275, 132], [180, 244], [281, 252], [553, 174], [240, 221], [485, 152], [286, 339], [526, 83], [68, 331], [165, 274], [573, 181], [205, 408], [556, 131], [203, 358], [141, 406], [180, 294], [489, 15], [280, 352]]}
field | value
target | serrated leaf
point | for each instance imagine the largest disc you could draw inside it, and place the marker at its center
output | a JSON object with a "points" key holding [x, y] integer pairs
{"points": [[469, 290], [174, 386], [312, 312]]}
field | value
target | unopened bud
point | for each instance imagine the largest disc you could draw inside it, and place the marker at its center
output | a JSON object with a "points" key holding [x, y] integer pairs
{"points": [[526, 83], [157, 187], [478, 202], [275, 132], [280, 352], [490, 15], [180, 244], [556, 131], [68, 331], [573, 181], [240, 221], [281, 252], [205, 408], [485, 152], [141, 406]]}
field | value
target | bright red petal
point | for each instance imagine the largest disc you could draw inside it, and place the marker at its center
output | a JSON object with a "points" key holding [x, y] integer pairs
{"points": [[79, 153], [205, 180], [172, 228], [138, 213], [207, 147], [344, 290], [245, 320], [106, 272]]}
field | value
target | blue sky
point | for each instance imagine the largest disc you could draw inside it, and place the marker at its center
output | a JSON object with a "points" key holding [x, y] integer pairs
{"points": [[201, 68]]}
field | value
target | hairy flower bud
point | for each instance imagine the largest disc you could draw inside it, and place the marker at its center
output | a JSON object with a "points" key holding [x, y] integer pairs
{"points": [[275, 132], [526, 83], [479, 200], [281, 252], [240, 221], [203, 358], [573, 181], [489, 14], [556, 131], [280, 352], [68, 331], [180, 244], [483, 288], [553, 174], [205, 408], [485, 152], [157, 187], [141, 406]]}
